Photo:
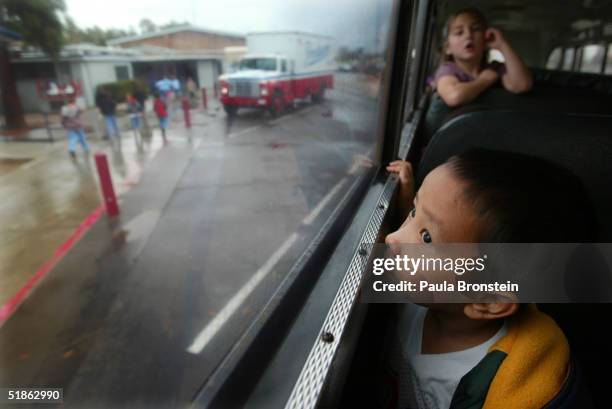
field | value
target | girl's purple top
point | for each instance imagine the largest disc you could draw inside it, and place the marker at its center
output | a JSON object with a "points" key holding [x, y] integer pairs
{"points": [[450, 68]]}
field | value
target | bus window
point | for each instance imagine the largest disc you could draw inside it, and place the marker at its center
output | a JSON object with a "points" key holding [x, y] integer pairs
{"points": [[592, 58], [568, 59], [554, 59], [608, 68], [246, 176]]}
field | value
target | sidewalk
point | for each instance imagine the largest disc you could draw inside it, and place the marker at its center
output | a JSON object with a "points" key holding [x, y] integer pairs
{"points": [[46, 194]]}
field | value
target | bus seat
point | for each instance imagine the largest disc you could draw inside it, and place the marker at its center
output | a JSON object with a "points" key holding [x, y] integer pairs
{"points": [[573, 80], [574, 393], [553, 91]]}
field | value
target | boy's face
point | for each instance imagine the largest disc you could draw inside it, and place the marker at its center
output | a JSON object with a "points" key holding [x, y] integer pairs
{"points": [[466, 38], [441, 213]]}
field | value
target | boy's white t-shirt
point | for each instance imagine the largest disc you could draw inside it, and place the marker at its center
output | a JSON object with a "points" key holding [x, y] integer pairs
{"points": [[70, 111], [428, 381]]}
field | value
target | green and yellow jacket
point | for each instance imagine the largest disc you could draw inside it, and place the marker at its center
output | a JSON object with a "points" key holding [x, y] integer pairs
{"points": [[530, 367]]}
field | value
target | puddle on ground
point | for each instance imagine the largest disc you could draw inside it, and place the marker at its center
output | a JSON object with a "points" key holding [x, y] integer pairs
{"points": [[10, 164]]}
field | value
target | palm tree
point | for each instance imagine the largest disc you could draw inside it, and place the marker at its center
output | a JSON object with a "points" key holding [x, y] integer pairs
{"points": [[38, 22]]}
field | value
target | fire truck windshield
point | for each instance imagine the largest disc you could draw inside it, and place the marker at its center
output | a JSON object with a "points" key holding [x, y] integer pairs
{"points": [[266, 64]]}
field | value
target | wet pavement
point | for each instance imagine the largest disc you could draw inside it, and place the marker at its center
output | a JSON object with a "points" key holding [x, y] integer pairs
{"points": [[47, 195], [143, 308]]}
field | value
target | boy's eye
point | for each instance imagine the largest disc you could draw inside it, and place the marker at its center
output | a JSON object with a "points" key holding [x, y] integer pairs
{"points": [[425, 236], [413, 212]]}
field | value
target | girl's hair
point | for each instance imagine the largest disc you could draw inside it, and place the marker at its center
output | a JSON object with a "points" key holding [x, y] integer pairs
{"points": [[480, 18], [524, 199]]}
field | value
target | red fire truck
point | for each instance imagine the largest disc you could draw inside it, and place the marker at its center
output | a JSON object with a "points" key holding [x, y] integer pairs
{"points": [[280, 67]]}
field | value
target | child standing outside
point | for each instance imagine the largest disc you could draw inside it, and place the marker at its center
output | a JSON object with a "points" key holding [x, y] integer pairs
{"points": [[465, 73], [133, 109], [104, 102], [159, 106], [71, 120]]}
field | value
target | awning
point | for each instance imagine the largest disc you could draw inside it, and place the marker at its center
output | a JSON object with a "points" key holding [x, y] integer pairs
{"points": [[7, 35]]}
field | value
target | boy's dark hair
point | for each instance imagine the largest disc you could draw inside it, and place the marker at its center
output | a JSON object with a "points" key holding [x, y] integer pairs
{"points": [[525, 199], [477, 14]]}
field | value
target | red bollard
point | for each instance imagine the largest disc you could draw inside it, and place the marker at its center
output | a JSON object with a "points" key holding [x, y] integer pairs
{"points": [[106, 183], [204, 98], [186, 112]]}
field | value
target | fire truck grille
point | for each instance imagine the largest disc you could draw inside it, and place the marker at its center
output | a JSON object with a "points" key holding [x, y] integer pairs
{"points": [[244, 88]]}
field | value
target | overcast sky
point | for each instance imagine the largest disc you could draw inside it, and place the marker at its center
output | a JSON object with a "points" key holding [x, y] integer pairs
{"points": [[351, 22]]}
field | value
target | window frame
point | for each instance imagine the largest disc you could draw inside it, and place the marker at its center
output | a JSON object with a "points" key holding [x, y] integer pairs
{"points": [[577, 59], [121, 69], [417, 50]]}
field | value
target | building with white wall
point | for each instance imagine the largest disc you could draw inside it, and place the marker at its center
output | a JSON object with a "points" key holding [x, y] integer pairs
{"points": [[90, 65], [86, 64]]}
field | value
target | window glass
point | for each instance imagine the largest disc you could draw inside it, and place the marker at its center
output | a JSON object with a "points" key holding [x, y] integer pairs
{"points": [[592, 58], [265, 64], [554, 59], [568, 59], [226, 173], [608, 69], [122, 72]]}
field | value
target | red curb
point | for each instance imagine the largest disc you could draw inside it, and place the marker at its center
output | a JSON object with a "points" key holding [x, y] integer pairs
{"points": [[13, 304]]}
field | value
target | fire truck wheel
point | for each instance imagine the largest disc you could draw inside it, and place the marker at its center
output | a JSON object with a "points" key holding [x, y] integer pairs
{"points": [[318, 97], [278, 105], [230, 110]]}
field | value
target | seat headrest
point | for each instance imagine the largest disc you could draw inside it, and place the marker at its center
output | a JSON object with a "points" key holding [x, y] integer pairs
{"points": [[580, 143]]}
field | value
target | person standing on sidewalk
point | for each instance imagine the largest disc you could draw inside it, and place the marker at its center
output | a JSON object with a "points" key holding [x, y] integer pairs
{"points": [[192, 91], [71, 120], [133, 108], [161, 110], [107, 107], [141, 97]]}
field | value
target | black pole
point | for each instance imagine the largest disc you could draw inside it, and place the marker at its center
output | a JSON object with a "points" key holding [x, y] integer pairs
{"points": [[48, 126]]}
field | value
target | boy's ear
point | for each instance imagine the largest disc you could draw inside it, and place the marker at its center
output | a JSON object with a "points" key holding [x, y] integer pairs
{"points": [[490, 311]]}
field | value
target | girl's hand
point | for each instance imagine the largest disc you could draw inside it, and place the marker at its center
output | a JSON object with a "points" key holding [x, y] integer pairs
{"points": [[495, 39], [403, 170]]}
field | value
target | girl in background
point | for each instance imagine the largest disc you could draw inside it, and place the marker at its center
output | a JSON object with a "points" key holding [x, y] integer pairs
{"points": [[465, 72]]}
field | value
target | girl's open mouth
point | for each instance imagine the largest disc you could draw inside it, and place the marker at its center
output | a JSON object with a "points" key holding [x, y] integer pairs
{"points": [[469, 46]]}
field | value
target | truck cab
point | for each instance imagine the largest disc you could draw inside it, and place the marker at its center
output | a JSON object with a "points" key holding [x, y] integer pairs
{"points": [[255, 84]]}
